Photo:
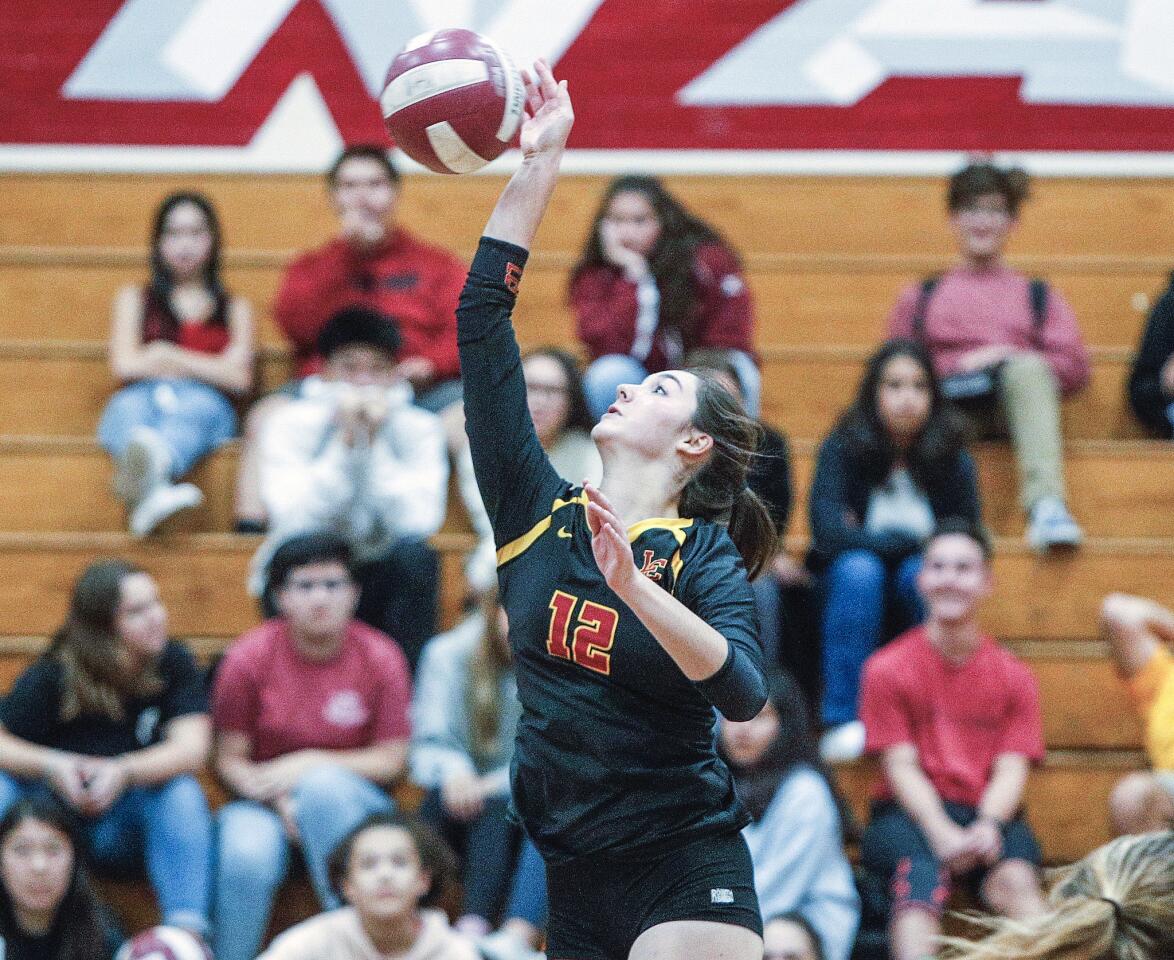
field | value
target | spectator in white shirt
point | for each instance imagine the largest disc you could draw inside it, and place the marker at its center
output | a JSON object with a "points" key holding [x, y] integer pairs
{"points": [[353, 455]]}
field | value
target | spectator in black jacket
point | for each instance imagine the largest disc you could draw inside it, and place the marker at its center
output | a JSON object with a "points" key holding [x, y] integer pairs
{"points": [[1151, 383], [770, 478], [894, 466]]}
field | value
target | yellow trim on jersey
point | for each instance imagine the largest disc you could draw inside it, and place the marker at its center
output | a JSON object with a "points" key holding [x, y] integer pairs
{"points": [[677, 525], [520, 545]]}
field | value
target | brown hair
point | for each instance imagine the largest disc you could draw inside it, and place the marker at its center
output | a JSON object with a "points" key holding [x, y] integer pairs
{"points": [[90, 650], [1115, 904], [983, 177], [436, 858], [486, 666], [718, 491]]}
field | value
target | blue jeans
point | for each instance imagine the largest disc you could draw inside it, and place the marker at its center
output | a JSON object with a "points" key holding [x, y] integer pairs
{"points": [[192, 417], [167, 827], [253, 852], [527, 900], [604, 375], [858, 587]]}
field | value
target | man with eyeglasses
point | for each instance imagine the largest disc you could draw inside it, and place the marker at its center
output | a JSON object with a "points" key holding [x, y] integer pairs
{"points": [[1007, 348], [311, 713]]}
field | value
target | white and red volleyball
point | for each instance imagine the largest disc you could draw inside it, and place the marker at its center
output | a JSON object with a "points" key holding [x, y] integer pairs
{"points": [[452, 100], [164, 943]]}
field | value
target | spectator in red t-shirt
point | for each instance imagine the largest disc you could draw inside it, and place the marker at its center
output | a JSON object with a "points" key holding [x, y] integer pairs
{"points": [[372, 263], [1006, 347], [181, 346], [653, 283], [955, 720], [311, 716]]}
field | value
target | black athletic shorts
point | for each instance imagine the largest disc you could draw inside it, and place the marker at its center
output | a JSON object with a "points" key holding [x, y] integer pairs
{"points": [[599, 905], [895, 850]]}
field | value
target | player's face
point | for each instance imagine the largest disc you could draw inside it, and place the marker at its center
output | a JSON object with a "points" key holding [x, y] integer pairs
{"points": [[141, 618], [654, 417], [36, 864], [318, 600], [903, 398], [547, 395], [633, 222], [360, 365], [185, 243], [363, 187], [954, 578], [384, 877], [784, 940], [745, 742], [982, 228]]}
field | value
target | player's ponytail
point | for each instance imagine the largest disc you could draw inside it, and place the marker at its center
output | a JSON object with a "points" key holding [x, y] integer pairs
{"points": [[1116, 903], [718, 491]]}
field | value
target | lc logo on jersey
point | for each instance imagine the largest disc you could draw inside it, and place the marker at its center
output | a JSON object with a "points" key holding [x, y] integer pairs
{"points": [[653, 569]]}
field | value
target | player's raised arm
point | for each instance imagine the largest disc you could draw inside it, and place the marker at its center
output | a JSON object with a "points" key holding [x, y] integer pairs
{"points": [[516, 480], [544, 135]]}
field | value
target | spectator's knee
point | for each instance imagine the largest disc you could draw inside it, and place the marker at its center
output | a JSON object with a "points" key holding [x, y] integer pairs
{"points": [[1022, 367], [324, 786], [1011, 884], [858, 570], [1139, 804], [183, 798], [250, 845]]}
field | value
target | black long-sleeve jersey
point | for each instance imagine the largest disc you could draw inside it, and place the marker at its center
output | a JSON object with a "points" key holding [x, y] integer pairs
{"points": [[616, 747]]}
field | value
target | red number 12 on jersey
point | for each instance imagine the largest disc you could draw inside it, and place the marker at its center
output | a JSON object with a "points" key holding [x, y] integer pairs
{"points": [[595, 632]]}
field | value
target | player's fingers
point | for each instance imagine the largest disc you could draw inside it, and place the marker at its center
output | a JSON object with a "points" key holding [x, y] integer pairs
{"points": [[546, 79], [601, 498]]}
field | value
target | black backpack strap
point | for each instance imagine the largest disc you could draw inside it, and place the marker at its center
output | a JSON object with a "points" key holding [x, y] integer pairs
{"points": [[917, 325], [1038, 291]]}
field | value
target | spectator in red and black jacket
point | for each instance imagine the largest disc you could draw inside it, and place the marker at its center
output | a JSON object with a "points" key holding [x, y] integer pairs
{"points": [[653, 283], [376, 264]]}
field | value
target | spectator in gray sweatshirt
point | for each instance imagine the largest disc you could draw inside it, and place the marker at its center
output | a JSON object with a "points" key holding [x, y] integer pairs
{"points": [[464, 717], [796, 839]]}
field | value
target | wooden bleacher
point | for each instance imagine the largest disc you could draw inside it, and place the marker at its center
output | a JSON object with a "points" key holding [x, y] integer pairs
{"points": [[825, 259]]}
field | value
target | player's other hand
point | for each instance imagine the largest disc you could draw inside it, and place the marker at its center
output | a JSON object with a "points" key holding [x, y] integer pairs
{"points": [[609, 543], [548, 115]]}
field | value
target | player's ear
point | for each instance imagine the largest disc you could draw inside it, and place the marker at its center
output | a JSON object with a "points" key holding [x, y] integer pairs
{"points": [[695, 443]]}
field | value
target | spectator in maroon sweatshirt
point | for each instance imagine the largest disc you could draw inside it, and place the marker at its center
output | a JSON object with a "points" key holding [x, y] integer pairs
{"points": [[372, 263], [1006, 347]]}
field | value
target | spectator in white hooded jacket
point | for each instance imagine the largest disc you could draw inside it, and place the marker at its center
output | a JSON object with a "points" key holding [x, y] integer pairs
{"points": [[353, 455]]}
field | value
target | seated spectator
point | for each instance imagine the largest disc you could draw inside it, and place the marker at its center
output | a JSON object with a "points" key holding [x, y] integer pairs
{"points": [[1006, 347], [1140, 633], [48, 908], [891, 470], [770, 478], [354, 456], [113, 719], [791, 937], [385, 870], [311, 717], [181, 345], [464, 719], [376, 264], [796, 839], [554, 394], [1151, 382], [1117, 903], [653, 283], [955, 720]]}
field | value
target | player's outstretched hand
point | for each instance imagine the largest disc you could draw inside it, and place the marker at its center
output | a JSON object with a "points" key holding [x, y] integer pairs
{"points": [[609, 542], [549, 115]]}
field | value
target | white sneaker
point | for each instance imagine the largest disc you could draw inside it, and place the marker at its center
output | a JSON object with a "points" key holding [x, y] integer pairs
{"points": [[842, 743], [504, 946], [145, 464], [1052, 526], [164, 501]]}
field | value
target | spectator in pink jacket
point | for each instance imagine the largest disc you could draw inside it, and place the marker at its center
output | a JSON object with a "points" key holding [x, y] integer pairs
{"points": [[1007, 347], [653, 283]]}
